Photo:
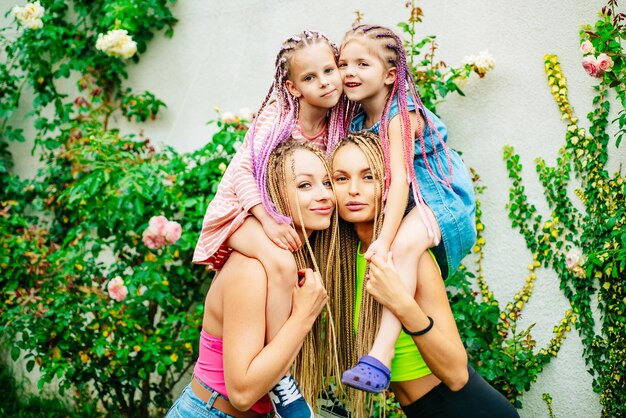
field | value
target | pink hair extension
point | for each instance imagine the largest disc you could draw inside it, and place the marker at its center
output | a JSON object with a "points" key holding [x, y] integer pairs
{"points": [[288, 112]]}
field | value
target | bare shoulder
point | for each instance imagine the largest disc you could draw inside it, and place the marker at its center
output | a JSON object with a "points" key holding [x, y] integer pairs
{"points": [[241, 269]]}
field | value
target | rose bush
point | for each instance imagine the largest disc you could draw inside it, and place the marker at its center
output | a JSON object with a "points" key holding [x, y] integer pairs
{"points": [[81, 297]]}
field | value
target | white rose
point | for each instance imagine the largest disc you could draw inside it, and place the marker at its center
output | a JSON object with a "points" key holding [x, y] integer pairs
{"points": [[485, 61], [116, 43], [228, 118], [245, 113], [573, 258], [481, 63], [30, 15]]}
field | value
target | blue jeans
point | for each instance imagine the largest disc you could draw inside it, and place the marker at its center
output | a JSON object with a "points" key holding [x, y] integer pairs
{"points": [[188, 405]]}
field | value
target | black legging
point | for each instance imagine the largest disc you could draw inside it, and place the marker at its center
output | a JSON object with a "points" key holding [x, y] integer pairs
{"points": [[477, 399]]}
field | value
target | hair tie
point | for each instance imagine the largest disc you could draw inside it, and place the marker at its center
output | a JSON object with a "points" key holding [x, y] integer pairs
{"points": [[420, 332]]}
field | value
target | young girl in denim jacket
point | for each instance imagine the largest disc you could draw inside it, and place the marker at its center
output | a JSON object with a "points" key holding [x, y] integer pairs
{"points": [[441, 207]]}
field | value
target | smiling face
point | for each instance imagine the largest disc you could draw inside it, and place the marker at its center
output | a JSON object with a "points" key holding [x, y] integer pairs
{"points": [[365, 76], [309, 188], [357, 188], [313, 76]]}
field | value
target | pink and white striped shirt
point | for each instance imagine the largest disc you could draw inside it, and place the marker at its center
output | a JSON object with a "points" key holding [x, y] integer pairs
{"points": [[237, 193]]}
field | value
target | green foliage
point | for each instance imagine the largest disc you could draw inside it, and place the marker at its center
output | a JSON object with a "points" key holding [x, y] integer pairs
{"points": [[79, 223], [13, 402], [548, 399], [596, 231], [499, 350]]}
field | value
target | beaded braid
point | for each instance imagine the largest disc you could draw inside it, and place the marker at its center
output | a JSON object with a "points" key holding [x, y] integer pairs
{"points": [[319, 346], [390, 49], [350, 347], [288, 111]]}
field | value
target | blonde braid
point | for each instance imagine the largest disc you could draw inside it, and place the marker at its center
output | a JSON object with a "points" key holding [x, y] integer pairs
{"points": [[318, 348], [352, 347]]}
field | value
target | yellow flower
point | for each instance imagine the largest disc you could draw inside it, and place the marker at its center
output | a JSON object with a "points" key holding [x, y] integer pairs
{"points": [[174, 357], [150, 257], [137, 348]]}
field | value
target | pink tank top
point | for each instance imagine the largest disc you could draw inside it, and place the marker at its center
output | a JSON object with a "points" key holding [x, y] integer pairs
{"points": [[210, 370]]}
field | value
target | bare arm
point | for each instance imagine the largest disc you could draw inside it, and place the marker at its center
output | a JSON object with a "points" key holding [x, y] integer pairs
{"points": [[441, 347], [247, 191], [252, 368], [398, 187]]}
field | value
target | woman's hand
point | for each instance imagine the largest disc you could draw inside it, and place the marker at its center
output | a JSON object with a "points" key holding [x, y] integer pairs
{"points": [[309, 297], [385, 285]]}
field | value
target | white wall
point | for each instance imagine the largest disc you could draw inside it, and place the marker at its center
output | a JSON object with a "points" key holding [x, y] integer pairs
{"points": [[222, 55]]}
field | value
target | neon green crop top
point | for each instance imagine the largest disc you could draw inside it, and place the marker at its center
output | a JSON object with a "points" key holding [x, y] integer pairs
{"points": [[407, 363]]}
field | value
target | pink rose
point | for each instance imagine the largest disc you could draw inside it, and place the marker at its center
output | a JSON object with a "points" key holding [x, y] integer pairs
{"points": [[173, 230], [587, 48], [590, 64], [605, 62], [116, 289], [157, 224], [152, 240]]}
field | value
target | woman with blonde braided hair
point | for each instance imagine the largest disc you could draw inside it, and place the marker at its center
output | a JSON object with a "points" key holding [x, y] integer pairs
{"points": [[237, 367], [441, 208], [429, 373], [304, 102]]}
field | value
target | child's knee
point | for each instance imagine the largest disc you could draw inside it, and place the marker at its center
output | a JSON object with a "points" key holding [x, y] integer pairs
{"points": [[412, 243], [403, 246]]}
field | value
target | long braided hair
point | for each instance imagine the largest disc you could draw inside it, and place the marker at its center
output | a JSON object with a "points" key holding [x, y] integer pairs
{"points": [[288, 109], [350, 346], [388, 46], [317, 358]]}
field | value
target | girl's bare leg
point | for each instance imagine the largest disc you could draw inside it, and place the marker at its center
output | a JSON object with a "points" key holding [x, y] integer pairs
{"points": [[411, 242]]}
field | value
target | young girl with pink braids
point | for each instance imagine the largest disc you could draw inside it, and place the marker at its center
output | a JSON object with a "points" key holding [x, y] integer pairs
{"points": [[441, 207], [300, 104]]}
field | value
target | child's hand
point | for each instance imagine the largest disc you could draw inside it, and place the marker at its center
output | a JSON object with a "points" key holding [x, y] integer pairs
{"points": [[384, 283], [378, 247], [283, 235]]}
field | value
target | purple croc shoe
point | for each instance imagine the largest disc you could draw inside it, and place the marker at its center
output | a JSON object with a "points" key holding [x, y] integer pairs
{"points": [[369, 375]]}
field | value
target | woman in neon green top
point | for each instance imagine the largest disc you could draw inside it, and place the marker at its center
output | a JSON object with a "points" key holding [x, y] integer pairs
{"points": [[429, 372]]}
